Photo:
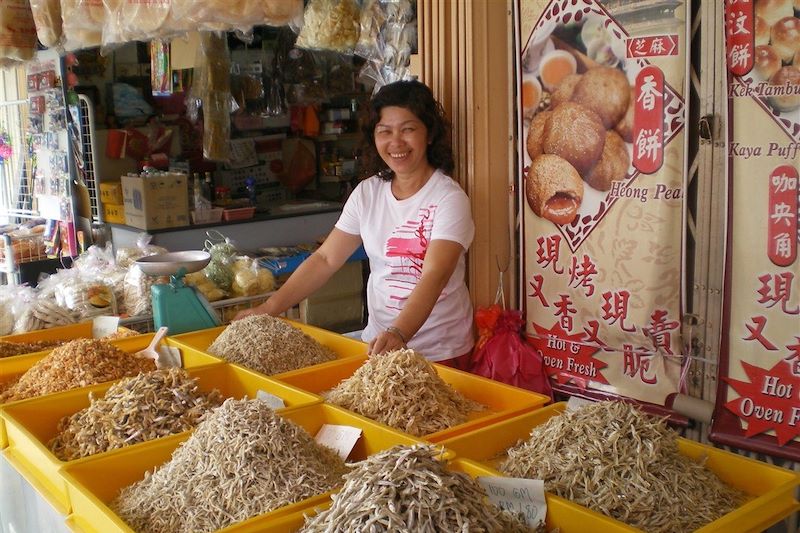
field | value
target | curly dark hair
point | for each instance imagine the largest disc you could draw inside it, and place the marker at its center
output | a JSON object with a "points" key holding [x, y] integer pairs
{"points": [[417, 98]]}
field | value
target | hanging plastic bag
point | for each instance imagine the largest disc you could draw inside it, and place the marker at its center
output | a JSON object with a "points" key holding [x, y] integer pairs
{"points": [[503, 355], [223, 255], [330, 25]]}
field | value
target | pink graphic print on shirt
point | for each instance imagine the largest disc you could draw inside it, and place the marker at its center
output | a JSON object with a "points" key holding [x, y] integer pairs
{"points": [[406, 249]]}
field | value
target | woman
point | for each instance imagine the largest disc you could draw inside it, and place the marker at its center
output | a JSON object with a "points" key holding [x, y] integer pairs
{"points": [[416, 226]]}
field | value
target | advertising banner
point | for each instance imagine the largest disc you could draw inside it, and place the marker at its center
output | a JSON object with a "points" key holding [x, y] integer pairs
{"points": [[758, 398], [602, 158]]}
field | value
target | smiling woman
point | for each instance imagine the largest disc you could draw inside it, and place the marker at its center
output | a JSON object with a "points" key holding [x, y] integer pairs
{"points": [[416, 226]]}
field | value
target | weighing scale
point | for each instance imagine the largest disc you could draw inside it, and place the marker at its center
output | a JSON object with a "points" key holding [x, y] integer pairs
{"points": [[176, 305]]}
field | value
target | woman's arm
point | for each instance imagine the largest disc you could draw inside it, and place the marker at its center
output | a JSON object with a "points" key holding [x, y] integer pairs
{"points": [[310, 275], [440, 262]]}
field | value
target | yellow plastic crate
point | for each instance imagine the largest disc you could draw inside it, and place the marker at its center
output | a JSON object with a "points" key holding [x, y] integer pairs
{"points": [[13, 367], [91, 488], [772, 488], [31, 424], [60, 333], [343, 347], [502, 401]]}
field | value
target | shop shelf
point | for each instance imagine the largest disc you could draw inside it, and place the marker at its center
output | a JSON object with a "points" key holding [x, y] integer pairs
{"points": [[91, 489], [771, 488], [238, 213], [13, 367], [31, 424], [502, 401], [343, 347]]}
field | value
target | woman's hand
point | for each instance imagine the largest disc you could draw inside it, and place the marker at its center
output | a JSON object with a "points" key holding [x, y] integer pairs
{"points": [[386, 341], [257, 310]]}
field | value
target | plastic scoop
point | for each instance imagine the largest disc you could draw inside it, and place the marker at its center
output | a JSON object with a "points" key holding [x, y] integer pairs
{"points": [[151, 353]]}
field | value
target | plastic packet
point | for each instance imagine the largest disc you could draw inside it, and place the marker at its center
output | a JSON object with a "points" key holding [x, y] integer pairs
{"points": [[330, 25], [283, 12], [207, 288], [249, 279], [84, 22], [223, 254], [137, 291], [18, 44], [14, 299], [42, 312], [47, 17], [214, 91], [128, 255]]}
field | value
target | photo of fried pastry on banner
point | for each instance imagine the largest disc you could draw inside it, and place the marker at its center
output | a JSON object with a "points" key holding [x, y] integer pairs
{"points": [[577, 104], [777, 54]]}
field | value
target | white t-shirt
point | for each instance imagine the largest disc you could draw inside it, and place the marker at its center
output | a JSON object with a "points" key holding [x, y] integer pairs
{"points": [[396, 234]]}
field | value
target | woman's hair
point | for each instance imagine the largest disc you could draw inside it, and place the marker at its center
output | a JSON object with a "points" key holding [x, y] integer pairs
{"points": [[417, 98]]}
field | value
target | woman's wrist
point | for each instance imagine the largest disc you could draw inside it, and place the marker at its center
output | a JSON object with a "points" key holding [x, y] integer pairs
{"points": [[400, 334]]}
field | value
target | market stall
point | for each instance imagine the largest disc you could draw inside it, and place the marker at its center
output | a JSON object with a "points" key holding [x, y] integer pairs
{"points": [[575, 410]]}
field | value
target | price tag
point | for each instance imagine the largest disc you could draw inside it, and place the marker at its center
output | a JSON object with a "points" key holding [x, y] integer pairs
{"points": [[170, 357], [274, 402], [524, 497], [339, 438], [574, 403], [104, 325]]}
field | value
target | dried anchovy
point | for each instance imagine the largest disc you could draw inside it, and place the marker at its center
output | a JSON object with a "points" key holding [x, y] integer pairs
{"points": [[9, 349], [268, 345], [242, 460], [407, 489], [403, 390], [78, 363], [138, 409], [616, 460]]}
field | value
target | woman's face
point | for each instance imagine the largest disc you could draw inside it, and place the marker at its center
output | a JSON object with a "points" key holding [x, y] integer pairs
{"points": [[402, 141]]}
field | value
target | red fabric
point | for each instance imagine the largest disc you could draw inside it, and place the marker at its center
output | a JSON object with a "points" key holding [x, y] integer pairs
{"points": [[503, 355]]}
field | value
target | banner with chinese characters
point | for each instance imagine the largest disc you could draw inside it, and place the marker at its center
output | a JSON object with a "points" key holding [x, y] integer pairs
{"points": [[758, 398], [602, 162]]}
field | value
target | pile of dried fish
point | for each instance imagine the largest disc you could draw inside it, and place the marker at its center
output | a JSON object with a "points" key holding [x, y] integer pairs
{"points": [[9, 349], [242, 460], [403, 390], [268, 345], [138, 409], [75, 364], [616, 460], [406, 488]]}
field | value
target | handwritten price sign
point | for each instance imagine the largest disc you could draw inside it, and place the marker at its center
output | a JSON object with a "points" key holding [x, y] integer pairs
{"points": [[524, 497]]}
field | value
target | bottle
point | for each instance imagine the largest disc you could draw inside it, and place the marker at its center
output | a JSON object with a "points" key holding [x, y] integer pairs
{"points": [[250, 184], [197, 191], [208, 187]]}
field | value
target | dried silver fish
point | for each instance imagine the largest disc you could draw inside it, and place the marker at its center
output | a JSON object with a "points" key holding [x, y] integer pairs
{"points": [[268, 345], [614, 459], [137, 409], [408, 489], [242, 460]]}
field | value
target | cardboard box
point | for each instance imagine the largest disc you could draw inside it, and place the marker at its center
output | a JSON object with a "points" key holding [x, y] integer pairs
{"points": [[111, 192], [155, 202], [114, 213]]}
